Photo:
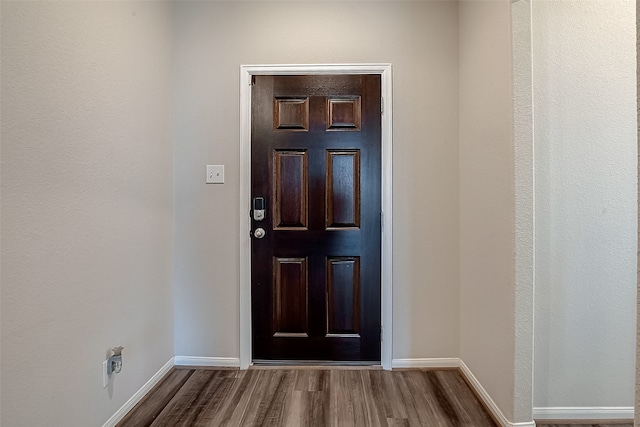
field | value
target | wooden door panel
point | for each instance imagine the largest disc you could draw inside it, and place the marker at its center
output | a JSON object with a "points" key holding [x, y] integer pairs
{"points": [[291, 114], [316, 159], [290, 188], [290, 287], [343, 189], [343, 114], [343, 296]]}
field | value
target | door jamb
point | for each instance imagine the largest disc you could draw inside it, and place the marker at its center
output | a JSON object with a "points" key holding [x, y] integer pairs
{"points": [[246, 72]]}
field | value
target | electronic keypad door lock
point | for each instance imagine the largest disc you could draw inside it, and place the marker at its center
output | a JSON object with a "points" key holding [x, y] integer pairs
{"points": [[258, 208]]}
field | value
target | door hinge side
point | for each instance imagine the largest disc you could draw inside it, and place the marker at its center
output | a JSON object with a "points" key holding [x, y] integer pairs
{"points": [[382, 105], [381, 334], [381, 221], [253, 80]]}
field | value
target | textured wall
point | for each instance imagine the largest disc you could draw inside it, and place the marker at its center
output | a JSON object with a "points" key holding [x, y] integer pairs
{"points": [[420, 39], [487, 202], [524, 208], [586, 206], [637, 404], [86, 205]]}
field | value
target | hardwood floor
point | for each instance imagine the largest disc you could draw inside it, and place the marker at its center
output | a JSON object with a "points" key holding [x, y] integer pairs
{"points": [[310, 397]]}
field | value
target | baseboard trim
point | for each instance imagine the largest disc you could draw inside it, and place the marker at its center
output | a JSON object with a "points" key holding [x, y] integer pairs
{"points": [[431, 363], [139, 395], [584, 413], [488, 401], [223, 362]]}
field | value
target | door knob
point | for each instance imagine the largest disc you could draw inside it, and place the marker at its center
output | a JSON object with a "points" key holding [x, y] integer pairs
{"points": [[259, 233]]}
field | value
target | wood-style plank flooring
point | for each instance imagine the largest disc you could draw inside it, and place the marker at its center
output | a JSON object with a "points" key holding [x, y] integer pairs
{"points": [[310, 397]]}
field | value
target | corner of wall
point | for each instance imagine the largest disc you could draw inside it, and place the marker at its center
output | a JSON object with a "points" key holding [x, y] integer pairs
{"points": [[524, 208], [496, 214]]}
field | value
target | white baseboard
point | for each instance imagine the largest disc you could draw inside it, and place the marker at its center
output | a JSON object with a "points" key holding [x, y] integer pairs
{"points": [[223, 362], [488, 401], [443, 362], [584, 413], [137, 397]]}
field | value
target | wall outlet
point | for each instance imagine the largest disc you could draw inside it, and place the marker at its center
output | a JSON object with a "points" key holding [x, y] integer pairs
{"points": [[105, 376]]}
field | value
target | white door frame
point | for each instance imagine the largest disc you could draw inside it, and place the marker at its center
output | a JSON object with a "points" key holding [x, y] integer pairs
{"points": [[246, 72]]}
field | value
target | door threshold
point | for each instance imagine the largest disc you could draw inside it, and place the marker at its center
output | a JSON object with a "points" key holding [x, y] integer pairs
{"points": [[315, 364]]}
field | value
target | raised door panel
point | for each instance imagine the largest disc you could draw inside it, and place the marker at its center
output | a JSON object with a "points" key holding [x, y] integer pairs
{"points": [[290, 189], [290, 299], [343, 296], [344, 113], [343, 189], [291, 114]]}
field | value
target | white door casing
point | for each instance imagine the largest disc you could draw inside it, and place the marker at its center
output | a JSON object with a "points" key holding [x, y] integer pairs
{"points": [[246, 72]]}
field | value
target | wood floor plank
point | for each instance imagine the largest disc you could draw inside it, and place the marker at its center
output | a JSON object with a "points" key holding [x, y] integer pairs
{"points": [[442, 399], [469, 411], [426, 405], [316, 409], [318, 380], [302, 380], [217, 400], [186, 403], [373, 398], [145, 412], [356, 401], [397, 422], [292, 414], [394, 405], [337, 411], [234, 402], [408, 399], [275, 411], [254, 412], [317, 401]]}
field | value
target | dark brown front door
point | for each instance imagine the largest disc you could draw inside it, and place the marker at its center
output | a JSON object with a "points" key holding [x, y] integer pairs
{"points": [[316, 162]]}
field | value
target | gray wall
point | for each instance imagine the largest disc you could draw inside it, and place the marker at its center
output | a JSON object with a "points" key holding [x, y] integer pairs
{"points": [[487, 199], [420, 39], [87, 206]]}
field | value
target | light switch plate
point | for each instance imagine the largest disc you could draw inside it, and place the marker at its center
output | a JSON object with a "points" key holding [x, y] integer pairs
{"points": [[215, 174]]}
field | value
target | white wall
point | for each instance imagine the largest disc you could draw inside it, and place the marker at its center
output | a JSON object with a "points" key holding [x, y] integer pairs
{"points": [[487, 200], [637, 403], [86, 205], [523, 147], [420, 39], [586, 202]]}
